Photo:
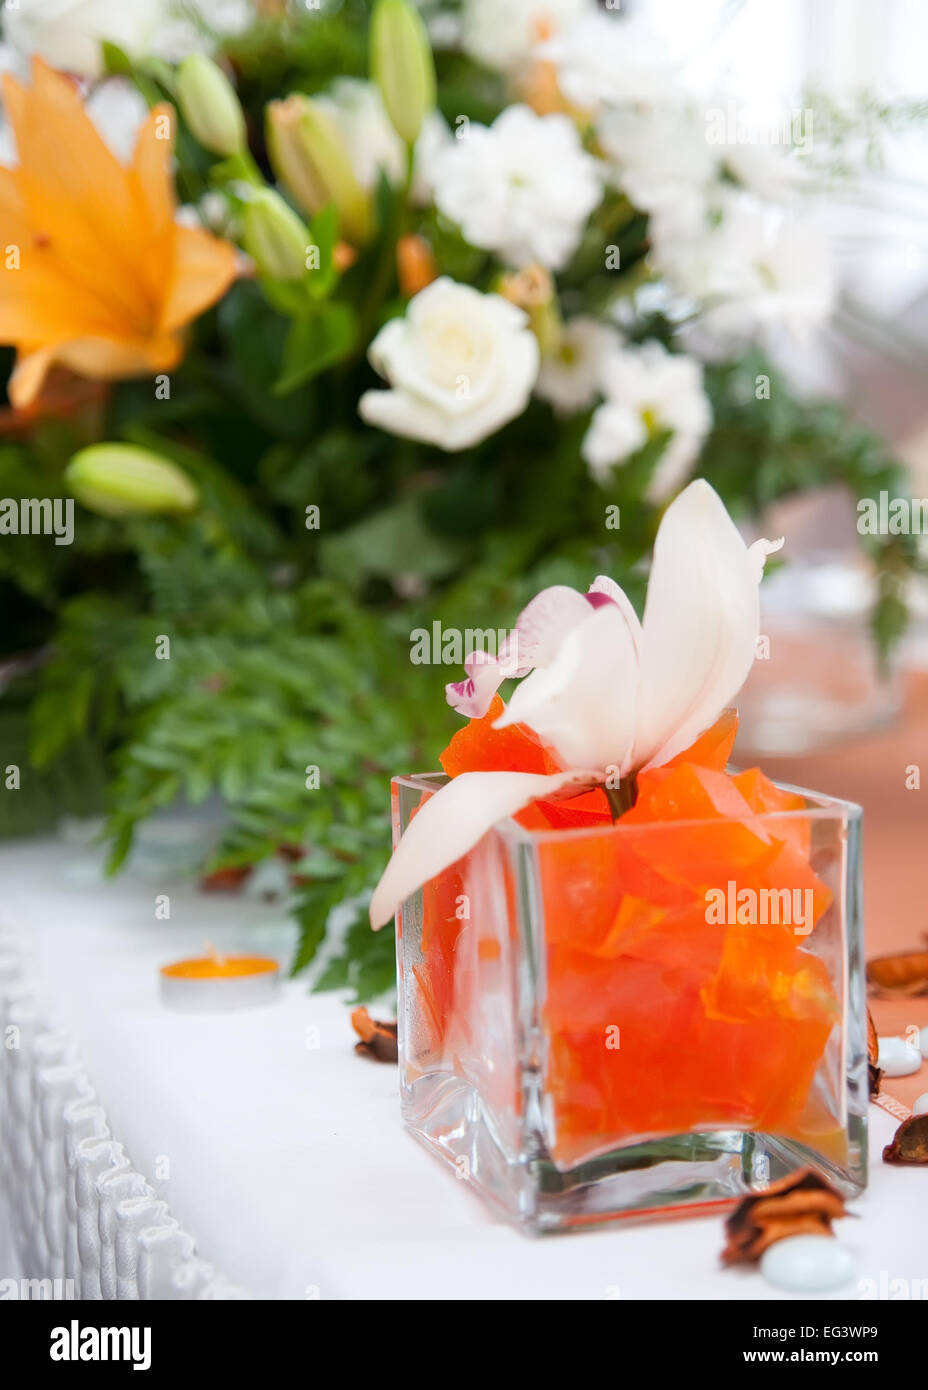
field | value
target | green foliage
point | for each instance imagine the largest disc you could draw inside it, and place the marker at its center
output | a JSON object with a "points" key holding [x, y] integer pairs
{"points": [[289, 646]]}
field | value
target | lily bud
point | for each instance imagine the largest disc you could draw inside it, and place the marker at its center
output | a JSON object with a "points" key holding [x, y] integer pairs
{"points": [[125, 480], [275, 238], [210, 106], [402, 66], [311, 159]]}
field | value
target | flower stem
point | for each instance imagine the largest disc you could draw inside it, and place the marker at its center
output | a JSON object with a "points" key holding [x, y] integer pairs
{"points": [[623, 797]]}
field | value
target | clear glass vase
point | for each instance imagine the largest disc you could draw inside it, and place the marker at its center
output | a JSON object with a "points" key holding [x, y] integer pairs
{"points": [[631, 1020]]}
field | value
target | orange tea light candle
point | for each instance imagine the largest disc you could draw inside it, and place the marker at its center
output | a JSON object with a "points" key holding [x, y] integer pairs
{"points": [[215, 982]]}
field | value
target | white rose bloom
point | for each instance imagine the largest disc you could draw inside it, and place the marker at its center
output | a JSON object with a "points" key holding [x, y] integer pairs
{"points": [[522, 187], [752, 269], [609, 61], [570, 375], [501, 34], [356, 107], [460, 365], [69, 33], [648, 390]]}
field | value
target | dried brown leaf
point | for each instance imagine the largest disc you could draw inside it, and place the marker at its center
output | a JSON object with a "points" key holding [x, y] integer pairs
{"points": [[899, 976], [378, 1039], [910, 1142], [874, 1074], [801, 1204]]}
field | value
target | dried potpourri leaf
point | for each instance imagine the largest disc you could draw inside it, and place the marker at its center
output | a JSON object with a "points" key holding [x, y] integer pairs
{"points": [[801, 1204], [910, 1142], [873, 1051], [898, 976], [378, 1040]]}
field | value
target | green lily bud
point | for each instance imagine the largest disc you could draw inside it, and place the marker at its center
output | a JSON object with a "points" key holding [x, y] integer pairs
{"points": [[402, 66], [210, 106], [312, 161], [124, 480], [275, 237]]}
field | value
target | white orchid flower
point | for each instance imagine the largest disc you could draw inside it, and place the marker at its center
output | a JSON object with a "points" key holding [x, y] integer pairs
{"points": [[608, 695]]}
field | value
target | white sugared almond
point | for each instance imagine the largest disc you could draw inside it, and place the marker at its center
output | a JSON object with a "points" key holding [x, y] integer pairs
{"points": [[807, 1264], [897, 1058]]}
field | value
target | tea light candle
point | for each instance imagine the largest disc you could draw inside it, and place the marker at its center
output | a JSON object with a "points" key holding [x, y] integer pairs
{"points": [[213, 983]]}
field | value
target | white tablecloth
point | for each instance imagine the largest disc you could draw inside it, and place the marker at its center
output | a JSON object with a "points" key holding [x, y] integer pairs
{"points": [[281, 1152]]}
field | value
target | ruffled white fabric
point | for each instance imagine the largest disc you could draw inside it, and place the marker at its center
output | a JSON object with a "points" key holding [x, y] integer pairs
{"points": [[83, 1219]]}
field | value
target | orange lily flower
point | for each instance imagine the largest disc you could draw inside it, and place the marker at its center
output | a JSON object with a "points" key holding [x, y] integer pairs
{"points": [[95, 273]]}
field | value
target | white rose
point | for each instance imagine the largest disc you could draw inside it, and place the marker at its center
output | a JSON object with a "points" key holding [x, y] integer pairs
{"points": [[522, 187], [648, 391], [69, 33], [460, 365]]}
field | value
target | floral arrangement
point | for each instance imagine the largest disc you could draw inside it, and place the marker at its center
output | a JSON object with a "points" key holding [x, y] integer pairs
{"points": [[663, 925], [339, 322]]}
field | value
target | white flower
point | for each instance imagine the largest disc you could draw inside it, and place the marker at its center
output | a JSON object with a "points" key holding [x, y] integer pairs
{"points": [[752, 269], [522, 187], [610, 61], [603, 692], [501, 34], [661, 155], [196, 26], [357, 110], [648, 390], [68, 33], [460, 364], [570, 375]]}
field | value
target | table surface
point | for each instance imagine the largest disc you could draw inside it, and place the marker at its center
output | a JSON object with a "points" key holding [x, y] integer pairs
{"points": [[282, 1151]]}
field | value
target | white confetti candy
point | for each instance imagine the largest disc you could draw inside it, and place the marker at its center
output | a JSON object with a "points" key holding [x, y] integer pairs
{"points": [[897, 1058], [921, 1104], [807, 1264], [923, 1043]]}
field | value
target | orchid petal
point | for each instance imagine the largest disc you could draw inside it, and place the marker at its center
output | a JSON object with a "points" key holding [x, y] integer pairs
{"points": [[602, 584], [584, 704], [538, 633], [701, 621], [452, 821]]}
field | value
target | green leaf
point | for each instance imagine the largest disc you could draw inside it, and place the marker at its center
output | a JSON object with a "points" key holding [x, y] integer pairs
{"points": [[393, 541], [324, 231], [115, 59], [315, 343]]}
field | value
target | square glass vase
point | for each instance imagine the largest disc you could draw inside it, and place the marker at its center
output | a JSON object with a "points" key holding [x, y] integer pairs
{"points": [[637, 1020]]}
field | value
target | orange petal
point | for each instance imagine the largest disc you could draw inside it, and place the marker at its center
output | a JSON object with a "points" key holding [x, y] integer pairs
{"points": [[478, 747], [712, 748], [204, 268]]}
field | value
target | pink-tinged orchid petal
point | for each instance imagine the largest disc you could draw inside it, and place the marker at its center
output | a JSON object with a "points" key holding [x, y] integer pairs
{"points": [[452, 821], [700, 626], [584, 705], [605, 588], [539, 632]]}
